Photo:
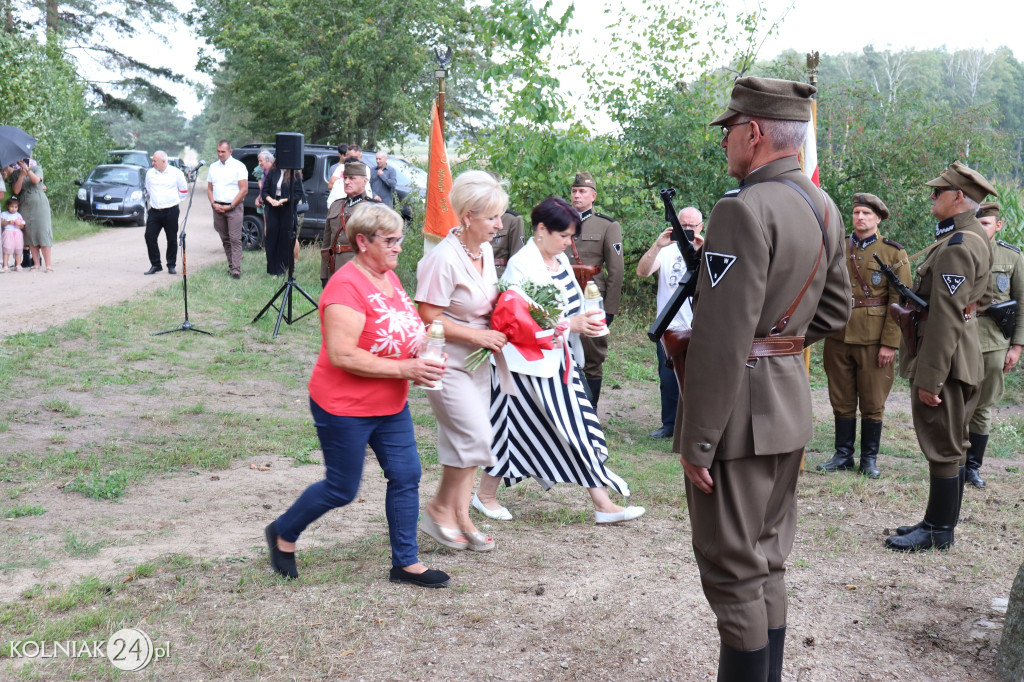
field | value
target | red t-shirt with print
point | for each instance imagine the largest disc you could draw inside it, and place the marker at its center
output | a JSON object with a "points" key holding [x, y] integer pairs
{"points": [[393, 329]]}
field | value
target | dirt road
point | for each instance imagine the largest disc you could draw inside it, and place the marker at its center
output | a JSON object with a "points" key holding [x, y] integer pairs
{"points": [[100, 270]]}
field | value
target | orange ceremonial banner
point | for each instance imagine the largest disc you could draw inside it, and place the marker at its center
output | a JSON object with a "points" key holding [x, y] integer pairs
{"points": [[440, 217]]}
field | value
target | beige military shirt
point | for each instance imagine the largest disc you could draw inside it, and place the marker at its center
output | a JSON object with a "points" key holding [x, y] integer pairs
{"points": [[1006, 284], [870, 322]]}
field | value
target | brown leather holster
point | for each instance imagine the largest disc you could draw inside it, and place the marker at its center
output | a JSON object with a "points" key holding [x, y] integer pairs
{"points": [[583, 273], [909, 319], [329, 255]]}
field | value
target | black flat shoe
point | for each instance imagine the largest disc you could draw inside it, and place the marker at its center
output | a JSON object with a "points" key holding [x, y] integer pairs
{"points": [[282, 562], [153, 270], [663, 432], [171, 270], [429, 578]]}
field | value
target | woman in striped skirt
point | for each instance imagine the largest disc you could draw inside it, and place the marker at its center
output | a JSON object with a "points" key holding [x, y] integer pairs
{"points": [[549, 430]]}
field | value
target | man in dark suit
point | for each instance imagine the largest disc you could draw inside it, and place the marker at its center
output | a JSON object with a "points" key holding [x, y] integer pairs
{"points": [[772, 280]]}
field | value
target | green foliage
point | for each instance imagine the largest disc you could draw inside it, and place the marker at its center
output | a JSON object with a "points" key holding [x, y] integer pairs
{"points": [[48, 100], [159, 125], [354, 71], [868, 142]]}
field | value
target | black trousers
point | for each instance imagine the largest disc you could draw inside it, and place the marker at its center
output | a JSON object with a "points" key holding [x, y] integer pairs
{"points": [[166, 220], [276, 242]]}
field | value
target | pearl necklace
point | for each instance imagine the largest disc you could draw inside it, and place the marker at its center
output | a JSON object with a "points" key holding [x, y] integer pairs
{"points": [[458, 236]]}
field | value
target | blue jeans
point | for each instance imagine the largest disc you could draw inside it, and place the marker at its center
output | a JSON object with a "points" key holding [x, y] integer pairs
{"points": [[343, 441], [669, 389]]}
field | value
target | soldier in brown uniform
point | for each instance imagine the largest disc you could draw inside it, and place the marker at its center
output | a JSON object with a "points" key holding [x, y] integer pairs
{"points": [[999, 354], [946, 373], [354, 177], [598, 243], [509, 239], [772, 280], [859, 359]]}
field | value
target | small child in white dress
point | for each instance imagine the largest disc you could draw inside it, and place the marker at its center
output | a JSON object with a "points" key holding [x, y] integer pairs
{"points": [[12, 239]]}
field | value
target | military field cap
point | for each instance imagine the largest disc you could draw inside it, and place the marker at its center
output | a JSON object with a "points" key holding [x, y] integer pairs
{"points": [[355, 169], [989, 209], [769, 98], [872, 202], [967, 180], [584, 180]]}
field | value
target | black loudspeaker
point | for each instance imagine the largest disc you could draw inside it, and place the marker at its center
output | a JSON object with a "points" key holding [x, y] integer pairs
{"points": [[289, 150]]}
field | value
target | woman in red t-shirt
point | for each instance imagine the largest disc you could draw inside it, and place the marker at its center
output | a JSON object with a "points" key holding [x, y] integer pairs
{"points": [[358, 395]]}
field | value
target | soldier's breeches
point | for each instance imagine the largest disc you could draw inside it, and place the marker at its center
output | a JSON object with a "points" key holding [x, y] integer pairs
{"points": [[942, 430], [595, 350], [991, 391], [854, 376], [742, 534]]}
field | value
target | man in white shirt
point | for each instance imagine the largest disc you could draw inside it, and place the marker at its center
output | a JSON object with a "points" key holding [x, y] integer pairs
{"points": [[227, 183], [665, 258], [166, 187]]}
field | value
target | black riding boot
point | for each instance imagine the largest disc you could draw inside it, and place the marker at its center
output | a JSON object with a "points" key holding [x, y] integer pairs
{"points": [[939, 519], [742, 666], [846, 433], [595, 390], [904, 530], [870, 438], [776, 644], [975, 454]]}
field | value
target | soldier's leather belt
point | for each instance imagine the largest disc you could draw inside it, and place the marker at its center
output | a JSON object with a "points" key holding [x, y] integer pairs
{"points": [[966, 312], [772, 346], [338, 248], [870, 302], [501, 261]]}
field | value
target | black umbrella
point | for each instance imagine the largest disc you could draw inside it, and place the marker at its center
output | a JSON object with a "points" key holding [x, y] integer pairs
{"points": [[15, 145]]}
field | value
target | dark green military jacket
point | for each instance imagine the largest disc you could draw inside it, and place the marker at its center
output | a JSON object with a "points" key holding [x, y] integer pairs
{"points": [[953, 276], [1006, 284], [600, 243], [509, 239]]}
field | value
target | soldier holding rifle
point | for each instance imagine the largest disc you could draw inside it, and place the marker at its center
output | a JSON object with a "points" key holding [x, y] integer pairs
{"points": [[946, 372]]}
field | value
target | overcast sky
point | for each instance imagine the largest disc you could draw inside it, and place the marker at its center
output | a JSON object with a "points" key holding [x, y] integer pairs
{"points": [[829, 27]]}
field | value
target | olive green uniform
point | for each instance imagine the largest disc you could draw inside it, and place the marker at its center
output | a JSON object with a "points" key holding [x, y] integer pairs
{"points": [[1005, 284], [343, 205], [749, 420], [599, 243], [509, 239], [952, 278], [851, 357]]}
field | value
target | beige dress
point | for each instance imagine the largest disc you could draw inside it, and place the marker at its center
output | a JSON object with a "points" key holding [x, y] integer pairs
{"points": [[447, 278]]}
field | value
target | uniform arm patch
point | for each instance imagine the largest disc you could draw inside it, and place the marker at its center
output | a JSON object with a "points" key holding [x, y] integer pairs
{"points": [[953, 282], [718, 264], [618, 248]]}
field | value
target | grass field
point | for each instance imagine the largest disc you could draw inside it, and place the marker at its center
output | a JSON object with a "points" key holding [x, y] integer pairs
{"points": [[113, 443]]}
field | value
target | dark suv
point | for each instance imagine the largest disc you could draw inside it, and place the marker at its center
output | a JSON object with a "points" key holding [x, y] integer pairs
{"points": [[317, 162]]}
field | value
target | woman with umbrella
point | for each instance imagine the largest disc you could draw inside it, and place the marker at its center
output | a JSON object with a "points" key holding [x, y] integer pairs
{"points": [[27, 183]]}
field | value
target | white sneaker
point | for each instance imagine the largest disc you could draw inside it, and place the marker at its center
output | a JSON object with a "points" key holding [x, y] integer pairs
{"points": [[627, 514], [499, 514]]}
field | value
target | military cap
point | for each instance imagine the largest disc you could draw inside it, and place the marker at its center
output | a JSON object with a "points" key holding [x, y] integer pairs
{"points": [[967, 180], [584, 179], [769, 98], [872, 202], [355, 169], [989, 209]]}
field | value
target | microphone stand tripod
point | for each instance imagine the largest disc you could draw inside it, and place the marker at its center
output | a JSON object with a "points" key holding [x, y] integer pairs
{"points": [[285, 292], [186, 326]]}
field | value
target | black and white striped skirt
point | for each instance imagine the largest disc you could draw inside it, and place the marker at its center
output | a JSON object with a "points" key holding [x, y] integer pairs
{"points": [[550, 432]]}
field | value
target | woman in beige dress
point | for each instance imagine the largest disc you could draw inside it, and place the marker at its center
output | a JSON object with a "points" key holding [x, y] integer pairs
{"points": [[458, 286]]}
